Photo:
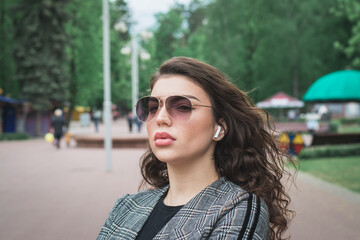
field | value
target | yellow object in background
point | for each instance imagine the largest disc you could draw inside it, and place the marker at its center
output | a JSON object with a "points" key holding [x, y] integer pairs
{"points": [[284, 141], [284, 138], [298, 143], [49, 137], [68, 138], [298, 139]]}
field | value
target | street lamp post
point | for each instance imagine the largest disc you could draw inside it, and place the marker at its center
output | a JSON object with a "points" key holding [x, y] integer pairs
{"points": [[134, 72], [107, 96], [134, 50]]}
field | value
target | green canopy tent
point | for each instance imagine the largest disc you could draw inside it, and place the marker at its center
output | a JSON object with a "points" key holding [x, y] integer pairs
{"points": [[336, 87], [339, 86]]}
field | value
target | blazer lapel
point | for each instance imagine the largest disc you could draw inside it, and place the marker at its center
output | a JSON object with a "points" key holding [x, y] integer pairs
{"points": [[182, 223], [143, 209]]}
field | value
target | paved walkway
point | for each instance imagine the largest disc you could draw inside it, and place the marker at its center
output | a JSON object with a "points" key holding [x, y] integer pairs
{"points": [[47, 193], [119, 129]]}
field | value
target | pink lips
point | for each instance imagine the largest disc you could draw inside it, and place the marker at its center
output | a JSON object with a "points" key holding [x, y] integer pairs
{"points": [[163, 139]]}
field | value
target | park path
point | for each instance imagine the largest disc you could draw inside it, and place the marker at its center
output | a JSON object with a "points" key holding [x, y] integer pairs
{"points": [[66, 194]]}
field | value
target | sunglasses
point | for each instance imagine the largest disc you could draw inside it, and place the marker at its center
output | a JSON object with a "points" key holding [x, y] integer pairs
{"points": [[178, 107]]}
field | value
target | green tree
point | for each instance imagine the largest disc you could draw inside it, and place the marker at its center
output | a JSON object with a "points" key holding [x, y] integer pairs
{"points": [[291, 54], [146, 66], [120, 64], [84, 53], [194, 37], [168, 40], [269, 47], [233, 33], [168, 36], [39, 51], [349, 12], [8, 84]]}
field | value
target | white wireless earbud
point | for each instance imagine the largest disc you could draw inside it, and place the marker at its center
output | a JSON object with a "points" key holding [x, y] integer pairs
{"points": [[217, 132]]}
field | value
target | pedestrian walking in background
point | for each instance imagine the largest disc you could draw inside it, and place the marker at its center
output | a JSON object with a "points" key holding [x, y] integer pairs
{"points": [[138, 124], [96, 118], [58, 125], [130, 120], [213, 166]]}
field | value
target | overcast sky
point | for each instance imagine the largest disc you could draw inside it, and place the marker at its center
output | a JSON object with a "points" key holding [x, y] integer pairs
{"points": [[143, 10]]}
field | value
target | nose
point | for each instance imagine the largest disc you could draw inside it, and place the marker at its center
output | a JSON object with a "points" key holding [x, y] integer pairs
{"points": [[163, 116]]}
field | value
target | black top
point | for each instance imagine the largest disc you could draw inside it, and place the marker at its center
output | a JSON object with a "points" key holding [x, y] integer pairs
{"points": [[158, 218], [58, 123]]}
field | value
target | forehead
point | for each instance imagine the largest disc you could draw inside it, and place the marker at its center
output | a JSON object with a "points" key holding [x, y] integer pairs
{"points": [[177, 85]]}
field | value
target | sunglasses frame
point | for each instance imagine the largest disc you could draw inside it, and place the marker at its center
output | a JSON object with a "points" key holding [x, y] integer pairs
{"points": [[159, 100]]}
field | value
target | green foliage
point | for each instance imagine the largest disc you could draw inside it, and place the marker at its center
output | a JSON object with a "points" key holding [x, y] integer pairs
{"points": [[13, 136], [334, 125], [234, 37], [120, 64], [349, 10], [84, 51], [344, 125], [261, 45], [330, 151], [349, 125], [350, 121], [168, 41], [57, 51], [350, 129], [269, 46], [266, 46], [146, 67], [7, 82], [40, 41], [168, 32]]}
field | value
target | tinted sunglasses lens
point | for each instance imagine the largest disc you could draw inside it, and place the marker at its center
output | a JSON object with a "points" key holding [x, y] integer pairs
{"points": [[146, 108], [179, 107]]}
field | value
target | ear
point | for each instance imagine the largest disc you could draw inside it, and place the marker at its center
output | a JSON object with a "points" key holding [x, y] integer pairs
{"points": [[220, 130]]}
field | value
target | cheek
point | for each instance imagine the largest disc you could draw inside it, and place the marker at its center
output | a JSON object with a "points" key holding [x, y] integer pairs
{"points": [[150, 128], [151, 133], [198, 132]]}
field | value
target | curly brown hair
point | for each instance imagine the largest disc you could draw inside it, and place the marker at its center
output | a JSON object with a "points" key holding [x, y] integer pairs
{"points": [[248, 155]]}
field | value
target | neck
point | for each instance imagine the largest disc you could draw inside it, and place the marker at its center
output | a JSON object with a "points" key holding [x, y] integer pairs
{"points": [[187, 180]]}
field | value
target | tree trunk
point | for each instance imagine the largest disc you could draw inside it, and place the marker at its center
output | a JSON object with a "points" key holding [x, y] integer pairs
{"points": [[73, 86], [22, 117], [38, 123], [296, 83], [20, 124], [69, 114], [2, 40]]}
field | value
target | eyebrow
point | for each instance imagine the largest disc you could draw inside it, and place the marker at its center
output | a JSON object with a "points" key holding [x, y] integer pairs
{"points": [[188, 96], [192, 97]]}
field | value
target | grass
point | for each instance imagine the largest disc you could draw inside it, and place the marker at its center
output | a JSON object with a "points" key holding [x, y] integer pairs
{"points": [[343, 171]]}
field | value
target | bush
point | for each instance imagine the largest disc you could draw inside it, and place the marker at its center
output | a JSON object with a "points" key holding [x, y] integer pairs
{"points": [[334, 125], [326, 151], [13, 136], [350, 121]]}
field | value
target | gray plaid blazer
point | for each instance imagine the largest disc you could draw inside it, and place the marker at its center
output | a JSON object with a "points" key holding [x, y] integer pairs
{"points": [[222, 210]]}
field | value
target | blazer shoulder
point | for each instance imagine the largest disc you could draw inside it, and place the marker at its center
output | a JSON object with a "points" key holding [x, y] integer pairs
{"points": [[238, 196], [129, 214], [251, 211], [140, 199], [228, 191]]}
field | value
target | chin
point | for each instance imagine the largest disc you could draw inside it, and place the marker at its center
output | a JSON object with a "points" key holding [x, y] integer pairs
{"points": [[165, 156]]}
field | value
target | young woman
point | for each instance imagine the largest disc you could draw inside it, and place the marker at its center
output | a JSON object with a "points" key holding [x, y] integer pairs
{"points": [[213, 164]]}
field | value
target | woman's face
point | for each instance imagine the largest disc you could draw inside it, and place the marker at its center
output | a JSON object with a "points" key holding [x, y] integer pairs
{"points": [[175, 141]]}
